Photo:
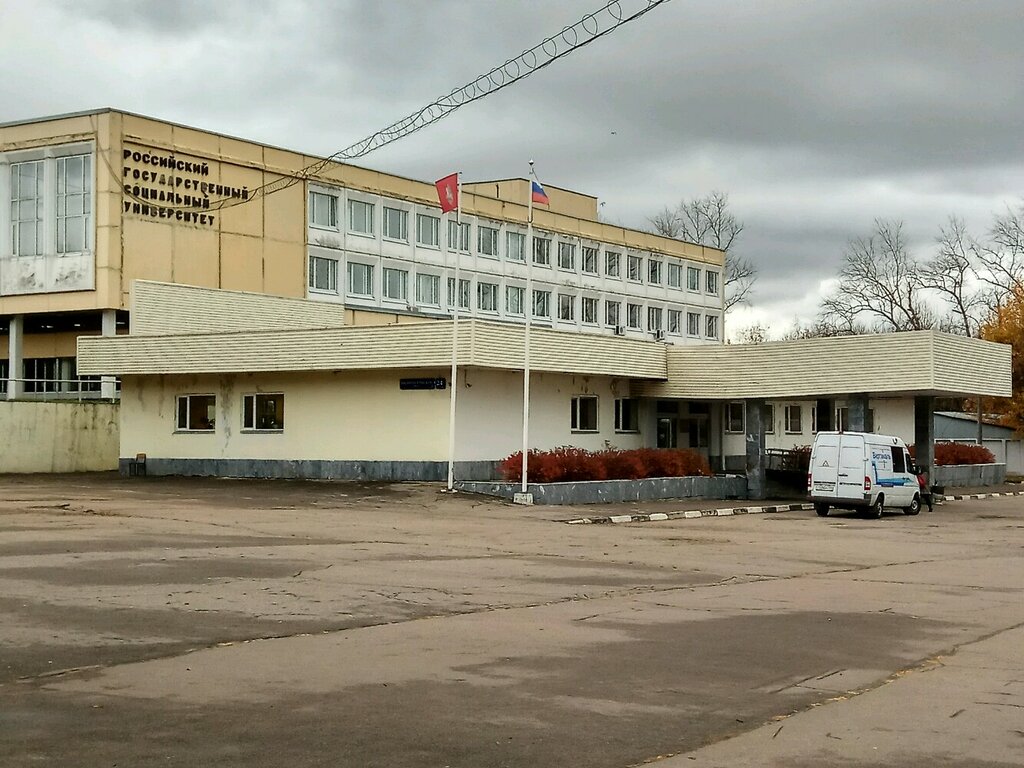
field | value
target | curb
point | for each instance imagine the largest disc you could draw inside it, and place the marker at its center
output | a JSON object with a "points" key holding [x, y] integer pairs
{"points": [[972, 496], [688, 514]]}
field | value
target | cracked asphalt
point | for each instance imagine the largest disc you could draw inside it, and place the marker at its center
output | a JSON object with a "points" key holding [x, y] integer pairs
{"points": [[183, 622]]}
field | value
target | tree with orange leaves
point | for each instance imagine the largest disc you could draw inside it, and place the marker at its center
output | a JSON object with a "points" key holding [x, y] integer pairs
{"points": [[1006, 325]]}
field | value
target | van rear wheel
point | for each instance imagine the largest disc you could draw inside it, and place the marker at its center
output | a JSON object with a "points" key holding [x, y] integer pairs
{"points": [[821, 509], [915, 506], [875, 510]]}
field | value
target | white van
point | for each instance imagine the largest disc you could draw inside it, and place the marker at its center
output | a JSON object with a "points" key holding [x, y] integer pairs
{"points": [[860, 470]]}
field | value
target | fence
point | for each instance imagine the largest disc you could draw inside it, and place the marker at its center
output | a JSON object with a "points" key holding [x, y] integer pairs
{"points": [[59, 435], [1008, 452], [79, 389]]}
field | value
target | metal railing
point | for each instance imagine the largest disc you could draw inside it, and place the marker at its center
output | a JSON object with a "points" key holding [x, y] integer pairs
{"points": [[78, 389]]}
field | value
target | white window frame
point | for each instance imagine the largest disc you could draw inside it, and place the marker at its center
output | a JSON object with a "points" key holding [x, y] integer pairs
{"points": [[627, 415], [392, 278], [542, 251], [517, 253], [487, 240], [577, 414], [350, 281], [588, 310], [430, 224], [769, 418], [37, 220], [588, 259], [515, 306], [792, 410], [674, 322], [655, 269], [465, 293], [369, 213], [612, 313], [188, 427], [693, 279], [634, 316], [251, 411], [735, 417], [487, 296], [634, 268], [542, 304], [711, 329], [317, 265], [711, 282], [567, 308], [612, 264], [655, 319], [566, 256], [389, 214], [460, 231], [693, 324], [674, 275], [81, 217], [318, 200], [428, 289]]}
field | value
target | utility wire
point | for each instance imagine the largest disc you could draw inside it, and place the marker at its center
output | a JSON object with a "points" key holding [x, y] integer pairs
{"points": [[591, 27]]}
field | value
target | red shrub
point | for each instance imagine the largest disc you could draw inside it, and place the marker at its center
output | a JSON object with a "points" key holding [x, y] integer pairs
{"points": [[568, 464], [959, 453]]}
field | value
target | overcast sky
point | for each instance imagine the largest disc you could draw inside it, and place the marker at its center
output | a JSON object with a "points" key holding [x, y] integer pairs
{"points": [[816, 117]]}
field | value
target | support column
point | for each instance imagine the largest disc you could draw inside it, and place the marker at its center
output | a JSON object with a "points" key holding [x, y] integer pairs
{"points": [[15, 358], [924, 432], [756, 486], [826, 418], [108, 384], [860, 416], [981, 425]]}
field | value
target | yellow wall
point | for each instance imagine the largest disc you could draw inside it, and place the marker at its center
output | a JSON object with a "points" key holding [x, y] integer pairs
{"points": [[58, 436]]}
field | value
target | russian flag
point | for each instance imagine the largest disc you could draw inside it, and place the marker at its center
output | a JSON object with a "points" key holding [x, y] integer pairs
{"points": [[538, 194]]}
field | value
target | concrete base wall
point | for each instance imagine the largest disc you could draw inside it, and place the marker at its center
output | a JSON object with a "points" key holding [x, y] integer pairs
{"points": [[610, 491], [968, 475], [58, 436], [315, 469]]}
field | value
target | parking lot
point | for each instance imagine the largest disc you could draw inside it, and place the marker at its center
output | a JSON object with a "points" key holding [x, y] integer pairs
{"points": [[183, 622]]}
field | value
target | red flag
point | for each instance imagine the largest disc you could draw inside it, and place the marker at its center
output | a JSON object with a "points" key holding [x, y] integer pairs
{"points": [[448, 192]]}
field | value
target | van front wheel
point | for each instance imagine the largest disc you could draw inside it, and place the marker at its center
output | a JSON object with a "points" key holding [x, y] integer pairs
{"points": [[915, 506], [875, 510], [821, 509]]}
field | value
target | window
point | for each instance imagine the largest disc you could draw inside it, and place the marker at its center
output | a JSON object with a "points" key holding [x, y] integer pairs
{"points": [[515, 246], [793, 420], [428, 290], [814, 419], [734, 421], [487, 241], [588, 310], [654, 319], [323, 210], [626, 412], [27, 208], [487, 297], [360, 217], [711, 280], [692, 324], [567, 256], [360, 279], [458, 236], [541, 251], [843, 419], [566, 306], [515, 298], [675, 321], [654, 271], [675, 275], [74, 203], [611, 313], [323, 274], [899, 459], [197, 413], [41, 374], [634, 267], [4, 375], [396, 284], [396, 224], [711, 326], [769, 418], [263, 413], [584, 414], [633, 316], [463, 293], [427, 230], [611, 264], [692, 279], [590, 260], [542, 303]]}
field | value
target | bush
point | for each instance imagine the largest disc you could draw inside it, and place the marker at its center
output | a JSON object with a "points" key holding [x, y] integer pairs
{"points": [[947, 454], [568, 464]]}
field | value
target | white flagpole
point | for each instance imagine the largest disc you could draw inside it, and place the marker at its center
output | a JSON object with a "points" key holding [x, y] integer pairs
{"points": [[526, 335], [453, 383]]}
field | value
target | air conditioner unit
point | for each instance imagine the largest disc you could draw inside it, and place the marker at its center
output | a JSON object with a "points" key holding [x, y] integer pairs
{"points": [[659, 335], [620, 330]]}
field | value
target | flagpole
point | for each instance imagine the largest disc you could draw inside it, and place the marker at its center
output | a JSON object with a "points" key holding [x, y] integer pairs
{"points": [[526, 335], [453, 383]]}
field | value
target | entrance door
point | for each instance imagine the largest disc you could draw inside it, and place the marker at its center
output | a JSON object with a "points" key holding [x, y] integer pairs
{"points": [[668, 432]]}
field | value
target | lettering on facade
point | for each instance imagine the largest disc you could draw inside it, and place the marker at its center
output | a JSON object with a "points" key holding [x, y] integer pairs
{"points": [[431, 383], [162, 186]]}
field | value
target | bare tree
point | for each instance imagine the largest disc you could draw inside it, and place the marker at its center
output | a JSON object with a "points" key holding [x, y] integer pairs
{"points": [[1001, 259], [880, 284], [708, 221], [952, 274]]}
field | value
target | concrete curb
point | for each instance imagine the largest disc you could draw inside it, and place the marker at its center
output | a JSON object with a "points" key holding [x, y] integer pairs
{"points": [[696, 513], [688, 514]]}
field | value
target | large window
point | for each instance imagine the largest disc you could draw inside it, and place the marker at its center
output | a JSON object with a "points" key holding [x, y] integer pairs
{"points": [[196, 413], [711, 326], [693, 324], [516, 246], [734, 417], [487, 297], [567, 256], [634, 268], [74, 203], [427, 230], [566, 307], [263, 412], [27, 208], [675, 275], [583, 417], [323, 274], [626, 414], [794, 422], [428, 290], [395, 284], [675, 322], [360, 279], [514, 300], [360, 217], [542, 304], [487, 241], [589, 260], [396, 224], [692, 279], [541, 251], [711, 281], [654, 319], [654, 268], [611, 264], [464, 293], [611, 313], [323, 210], [633, 316], [588, 310], [458, 236]]}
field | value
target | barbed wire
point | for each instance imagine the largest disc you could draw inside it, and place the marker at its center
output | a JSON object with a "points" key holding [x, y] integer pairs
{"points": [[593, 26]]}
